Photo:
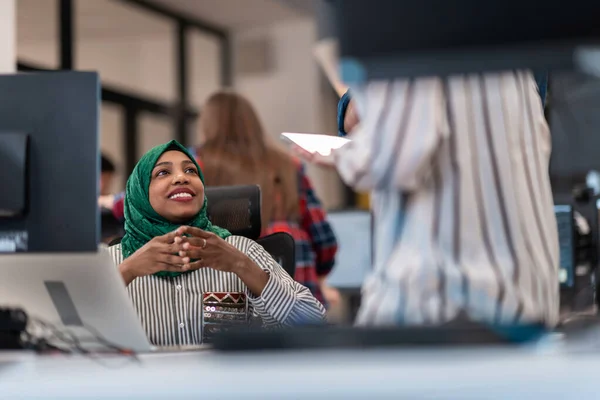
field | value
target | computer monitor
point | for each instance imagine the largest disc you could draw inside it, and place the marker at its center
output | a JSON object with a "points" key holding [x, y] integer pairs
{"points": [[566, 239], [393, 38], [49, 162], [353, 260], [574, 123]]}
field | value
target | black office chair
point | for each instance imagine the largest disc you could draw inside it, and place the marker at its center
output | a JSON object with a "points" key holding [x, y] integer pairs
{"points": [[237, 209], [282, 247]]}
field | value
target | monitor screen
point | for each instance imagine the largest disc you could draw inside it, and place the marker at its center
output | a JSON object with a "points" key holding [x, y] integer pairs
{"points": [[58, 172], [353, 260], [566, 239], [574, 121]]}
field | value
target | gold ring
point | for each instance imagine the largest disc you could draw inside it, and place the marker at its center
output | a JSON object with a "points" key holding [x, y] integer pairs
{"points": [[204, 243]]}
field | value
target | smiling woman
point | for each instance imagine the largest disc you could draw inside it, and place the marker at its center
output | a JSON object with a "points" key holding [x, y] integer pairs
{"points": [[171, 255]]}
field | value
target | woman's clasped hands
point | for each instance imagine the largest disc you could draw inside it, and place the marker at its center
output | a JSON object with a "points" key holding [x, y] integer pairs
{"points": [[185, 249], [205, 249], [159, 254]]}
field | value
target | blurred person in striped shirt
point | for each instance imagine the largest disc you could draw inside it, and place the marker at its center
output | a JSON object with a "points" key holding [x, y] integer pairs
{"points": [[460, 193], [462, 201]]}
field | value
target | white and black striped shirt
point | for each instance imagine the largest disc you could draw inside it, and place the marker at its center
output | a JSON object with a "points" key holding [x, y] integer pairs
{"points": [[170, 308], [459, 169]]}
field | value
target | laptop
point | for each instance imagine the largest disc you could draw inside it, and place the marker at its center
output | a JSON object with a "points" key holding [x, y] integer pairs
{"points": [[76, 292]]}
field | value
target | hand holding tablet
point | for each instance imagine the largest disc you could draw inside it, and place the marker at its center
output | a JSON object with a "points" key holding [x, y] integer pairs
{"points": [[316, 148], [315, 143]]}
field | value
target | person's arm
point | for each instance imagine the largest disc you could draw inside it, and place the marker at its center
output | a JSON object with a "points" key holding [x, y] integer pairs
{"points": [[276, 297], [343, 108], [401, 127], [314, 221], [283, 301], [347, 119]]}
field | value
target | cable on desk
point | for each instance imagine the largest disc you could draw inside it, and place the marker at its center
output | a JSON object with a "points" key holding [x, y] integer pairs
{"points": [[73, 344]]}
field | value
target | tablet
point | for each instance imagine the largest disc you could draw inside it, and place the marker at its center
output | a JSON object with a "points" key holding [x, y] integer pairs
{"points": [[314, 143]]}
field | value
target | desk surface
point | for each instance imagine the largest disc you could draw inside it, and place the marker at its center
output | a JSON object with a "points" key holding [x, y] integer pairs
{"points": [[423, 374]]}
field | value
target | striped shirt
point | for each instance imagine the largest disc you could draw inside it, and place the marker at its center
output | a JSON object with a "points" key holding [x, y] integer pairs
{"points": [[170, 308], [463, 206]]}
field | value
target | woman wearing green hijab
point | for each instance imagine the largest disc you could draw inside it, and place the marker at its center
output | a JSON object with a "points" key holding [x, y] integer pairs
{"points": [[171, 255]]}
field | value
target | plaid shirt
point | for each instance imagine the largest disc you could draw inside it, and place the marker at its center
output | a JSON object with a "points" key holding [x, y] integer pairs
{"points": [[316, 244]]}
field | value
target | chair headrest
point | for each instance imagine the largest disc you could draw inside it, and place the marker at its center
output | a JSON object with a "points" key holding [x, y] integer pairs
{"points": [[236, 208]]}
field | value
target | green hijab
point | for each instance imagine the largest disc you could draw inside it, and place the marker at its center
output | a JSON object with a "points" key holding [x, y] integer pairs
{"points": [[142, 223]]}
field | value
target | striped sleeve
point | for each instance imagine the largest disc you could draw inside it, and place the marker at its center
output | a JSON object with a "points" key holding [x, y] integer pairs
{"points": [[116, 254], [283, 301], [398, 136]]}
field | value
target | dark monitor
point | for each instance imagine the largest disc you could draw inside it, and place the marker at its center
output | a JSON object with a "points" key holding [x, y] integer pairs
{"points": [[49, 162], [399, 38], [574, 123], [566, 238]]}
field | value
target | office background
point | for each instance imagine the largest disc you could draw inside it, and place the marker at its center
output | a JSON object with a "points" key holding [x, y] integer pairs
{"points": [[160, 60]]}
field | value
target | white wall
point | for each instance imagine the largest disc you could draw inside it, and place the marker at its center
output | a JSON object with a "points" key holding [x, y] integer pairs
{"points": [[290, 97], [7, 36], [204, 66], [287, 96], [142, 65]]}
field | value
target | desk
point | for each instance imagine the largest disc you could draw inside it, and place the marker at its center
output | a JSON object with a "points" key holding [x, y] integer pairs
{"points": [[423, 374]]}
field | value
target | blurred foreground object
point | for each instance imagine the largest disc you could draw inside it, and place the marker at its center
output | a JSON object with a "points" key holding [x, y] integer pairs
{"points": [[463, 209], [323, 337], [390, 38]]}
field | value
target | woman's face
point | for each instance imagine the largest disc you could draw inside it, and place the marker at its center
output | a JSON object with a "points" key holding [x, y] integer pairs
{"points": [[176, 191]]}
